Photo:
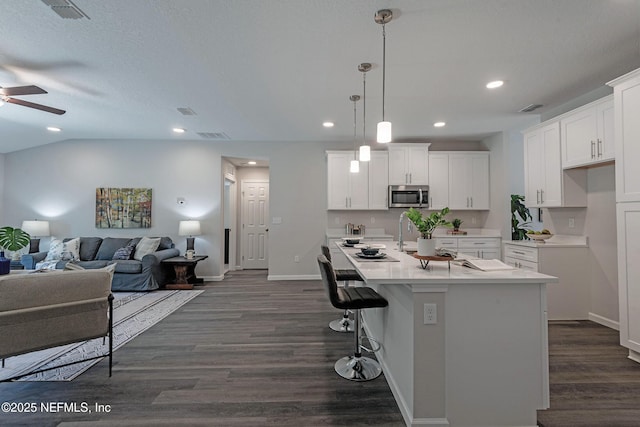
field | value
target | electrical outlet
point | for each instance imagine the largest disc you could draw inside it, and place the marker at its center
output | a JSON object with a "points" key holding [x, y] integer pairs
{"points": [[430, 314], [373, 220], [572, 222], [473, 220], [296, 258]]}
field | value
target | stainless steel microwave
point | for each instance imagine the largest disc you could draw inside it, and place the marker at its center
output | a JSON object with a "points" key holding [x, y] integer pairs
{"points": [[408, 196]]}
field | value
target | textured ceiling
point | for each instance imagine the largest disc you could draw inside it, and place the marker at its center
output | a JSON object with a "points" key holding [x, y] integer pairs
{"points": [[274, 70]]}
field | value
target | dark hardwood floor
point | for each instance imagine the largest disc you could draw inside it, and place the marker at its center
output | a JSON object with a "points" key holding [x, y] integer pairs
{"points": [[592, 382], [247, 352], [252, 352]]}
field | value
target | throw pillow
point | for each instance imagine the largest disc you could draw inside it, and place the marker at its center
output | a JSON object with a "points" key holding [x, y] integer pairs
{"points": [[55, 250], [71, 249], [146, 246], [124, 252]]}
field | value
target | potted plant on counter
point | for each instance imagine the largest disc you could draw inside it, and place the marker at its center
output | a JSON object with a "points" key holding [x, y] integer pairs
{"points": [[426, 225], [457, 222]]}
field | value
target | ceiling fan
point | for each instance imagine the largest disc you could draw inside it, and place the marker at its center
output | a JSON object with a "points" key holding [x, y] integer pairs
{"points": [[6, 94]]}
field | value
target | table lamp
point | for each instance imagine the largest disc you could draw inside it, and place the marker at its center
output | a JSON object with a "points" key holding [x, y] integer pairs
{"points": [[36, 229], [189, 228]]}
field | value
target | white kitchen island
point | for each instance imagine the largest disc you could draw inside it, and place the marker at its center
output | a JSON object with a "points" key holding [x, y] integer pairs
{"points": [[484, 362]]}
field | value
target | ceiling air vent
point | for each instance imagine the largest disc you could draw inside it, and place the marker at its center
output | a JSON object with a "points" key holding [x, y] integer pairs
{"points": [[529, 108], [66, 9], [186, 111], [214, 135]]}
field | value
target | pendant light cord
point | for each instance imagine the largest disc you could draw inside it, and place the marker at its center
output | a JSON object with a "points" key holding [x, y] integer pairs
{"points": [[364, 107], [354, 127], [384, 65]]}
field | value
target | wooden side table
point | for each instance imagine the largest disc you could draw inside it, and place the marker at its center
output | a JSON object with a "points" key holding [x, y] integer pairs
{"points": [[185, 271]]}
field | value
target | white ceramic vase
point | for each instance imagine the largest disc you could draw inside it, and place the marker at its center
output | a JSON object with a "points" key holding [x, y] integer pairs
{"points": [[426, 247]]}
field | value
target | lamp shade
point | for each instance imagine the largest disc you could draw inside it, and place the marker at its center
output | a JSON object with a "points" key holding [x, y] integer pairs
{"points": [[36, 228], [189, 228], [384, 132], [365, 153]]}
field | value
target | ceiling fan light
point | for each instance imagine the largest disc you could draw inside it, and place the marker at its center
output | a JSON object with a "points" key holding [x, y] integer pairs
{"points": [[53, 129], [365, 153], [384, 132], [354, 167]]}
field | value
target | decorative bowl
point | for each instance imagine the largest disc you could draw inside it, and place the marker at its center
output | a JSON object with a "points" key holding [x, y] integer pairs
{"points": [[539, 237], [370, 251], [351, 240]]}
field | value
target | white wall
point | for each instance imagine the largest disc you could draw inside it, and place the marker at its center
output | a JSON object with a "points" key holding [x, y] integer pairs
{"points": [[60, 181], [3, 202]]}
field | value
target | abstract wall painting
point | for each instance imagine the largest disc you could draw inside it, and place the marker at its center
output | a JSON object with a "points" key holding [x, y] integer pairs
{"points": [[123, 207]]}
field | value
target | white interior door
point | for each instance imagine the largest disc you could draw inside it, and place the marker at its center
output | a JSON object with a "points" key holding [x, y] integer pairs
{"points": [[255, 211]]}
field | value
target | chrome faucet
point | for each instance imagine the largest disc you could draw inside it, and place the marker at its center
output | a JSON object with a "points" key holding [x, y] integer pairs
{"points": [[409, 229]]}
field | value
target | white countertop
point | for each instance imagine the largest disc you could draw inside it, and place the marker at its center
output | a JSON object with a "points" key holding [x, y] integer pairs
{"points": [[556, 241], [407, 270]]}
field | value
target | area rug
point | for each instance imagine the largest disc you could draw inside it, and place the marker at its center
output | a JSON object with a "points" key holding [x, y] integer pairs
{"points": [[133, 313]]}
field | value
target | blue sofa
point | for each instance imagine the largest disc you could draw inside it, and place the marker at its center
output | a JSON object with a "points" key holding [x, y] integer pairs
{"points": [[130, 275]]}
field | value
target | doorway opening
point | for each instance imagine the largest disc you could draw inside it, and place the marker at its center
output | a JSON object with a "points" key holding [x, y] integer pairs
{"points": [[245, 209]]}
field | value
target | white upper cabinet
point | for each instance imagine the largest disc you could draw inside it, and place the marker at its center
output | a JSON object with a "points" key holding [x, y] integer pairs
{"points": [[438, 180], [587, 134], [469, 180], [546, 185], [626, 94], [378, 180], [365, 190], [346, 190], [409, 164]]}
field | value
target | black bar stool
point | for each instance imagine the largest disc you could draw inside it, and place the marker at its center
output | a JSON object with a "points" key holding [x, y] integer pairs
{"points": [[342, 275], [356, 367]]}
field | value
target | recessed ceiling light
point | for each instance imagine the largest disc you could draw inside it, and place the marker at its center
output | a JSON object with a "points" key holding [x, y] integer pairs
{"points": [[53, 129], [439, 124], [252, 162], [328, 124], [494, 84], [179, 130]]}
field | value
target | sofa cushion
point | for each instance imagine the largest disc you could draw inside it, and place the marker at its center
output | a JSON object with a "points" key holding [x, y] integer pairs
{"points": [[124, 253], [109, 246], [89, 247], [165, 242], [146, 246], [127, 266]]}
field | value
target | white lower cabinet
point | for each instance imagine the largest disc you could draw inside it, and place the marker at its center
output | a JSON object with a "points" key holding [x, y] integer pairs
{"points": [[480, 247], [628, 222], [568, 299]]}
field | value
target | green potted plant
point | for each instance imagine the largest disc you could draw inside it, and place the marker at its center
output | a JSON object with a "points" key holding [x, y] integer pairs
{"points": [[520, 216], [13, 239], [426, 225], [457, 222]]}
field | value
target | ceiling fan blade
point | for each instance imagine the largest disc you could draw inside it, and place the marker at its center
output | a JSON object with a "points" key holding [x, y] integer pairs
{"points": [[22, 90], [34, 105]]}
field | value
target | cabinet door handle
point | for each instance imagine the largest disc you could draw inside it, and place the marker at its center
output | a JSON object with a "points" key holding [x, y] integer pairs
{"points": [[599, 147], [346, 202], [519, 253], [541, 196], [537, 197], [406, 178], [593, 149], [471, 198], [410, 178]]}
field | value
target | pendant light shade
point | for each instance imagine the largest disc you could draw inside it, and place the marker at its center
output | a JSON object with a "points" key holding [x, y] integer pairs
{"points": [[354, 166], [382, 17], [365, 153], [365, 150], [384, 132]]}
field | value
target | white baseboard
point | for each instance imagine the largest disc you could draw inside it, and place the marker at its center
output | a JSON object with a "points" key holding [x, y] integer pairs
{"points": [[294, 277], [635, 356], [604, 321]]}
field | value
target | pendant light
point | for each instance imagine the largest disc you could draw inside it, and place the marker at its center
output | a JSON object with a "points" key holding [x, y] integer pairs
{"points": [[365, 150], [382, 17], [355, 164]]}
